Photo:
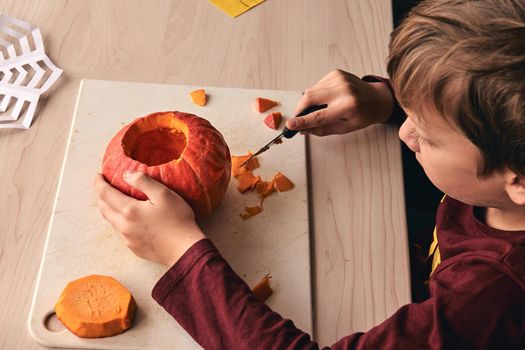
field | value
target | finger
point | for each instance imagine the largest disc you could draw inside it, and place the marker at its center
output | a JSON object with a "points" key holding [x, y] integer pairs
{"points": [[109, 214], [329, 130], [146, 184], [330, 77], [313, 97], [320, 132], [113, 197], [318, 118], [328, 81], [309, 121], [340, 126]]}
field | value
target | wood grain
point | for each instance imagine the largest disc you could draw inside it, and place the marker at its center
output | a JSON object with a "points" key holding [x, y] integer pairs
{"points": [[360, 244]]}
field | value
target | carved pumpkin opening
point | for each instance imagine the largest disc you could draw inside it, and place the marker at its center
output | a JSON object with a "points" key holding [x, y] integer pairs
{"points": [[155, 141]]}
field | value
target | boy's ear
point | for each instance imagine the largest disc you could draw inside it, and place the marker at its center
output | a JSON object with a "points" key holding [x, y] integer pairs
{"points": [[515, 187]]}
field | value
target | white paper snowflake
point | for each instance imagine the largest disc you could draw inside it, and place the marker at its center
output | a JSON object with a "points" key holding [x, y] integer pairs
{"points": [[25, 72]]}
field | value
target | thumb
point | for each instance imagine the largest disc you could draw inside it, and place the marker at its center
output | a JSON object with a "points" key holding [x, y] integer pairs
{"points": [[333, 114], [309, 121], [144, 183]]}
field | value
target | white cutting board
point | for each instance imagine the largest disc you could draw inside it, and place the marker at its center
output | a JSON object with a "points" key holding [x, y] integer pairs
{"points": [[81, 243]]}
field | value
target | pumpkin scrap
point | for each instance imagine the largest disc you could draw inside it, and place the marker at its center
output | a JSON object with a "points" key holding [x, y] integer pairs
{"points": [[249, 212], [273, 120], [264, 189], [263, 290], [263, 104], [198, 97], [237, 161], [282, 183], [95, 306], [247, 180]]}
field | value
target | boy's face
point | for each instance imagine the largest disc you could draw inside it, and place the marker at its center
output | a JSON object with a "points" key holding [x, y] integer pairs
{"points": [[451, 161]]}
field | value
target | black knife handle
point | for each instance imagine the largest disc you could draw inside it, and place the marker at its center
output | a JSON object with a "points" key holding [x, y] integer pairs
{"points": [[287, 133]]}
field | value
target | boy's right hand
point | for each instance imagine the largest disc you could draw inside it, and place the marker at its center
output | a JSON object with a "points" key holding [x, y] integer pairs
{"points": [[353, 104]]}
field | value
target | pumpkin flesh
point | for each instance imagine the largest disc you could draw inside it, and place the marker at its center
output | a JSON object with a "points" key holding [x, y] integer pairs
{"points": [[263, 104], [96, 306], [158, 146], [263, 290], [198, 97]]}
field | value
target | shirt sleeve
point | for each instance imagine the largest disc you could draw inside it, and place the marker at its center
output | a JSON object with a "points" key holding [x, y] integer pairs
{"points": [[398, 115], [219, 311]]}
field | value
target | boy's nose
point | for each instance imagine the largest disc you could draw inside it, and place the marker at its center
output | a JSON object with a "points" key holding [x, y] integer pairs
{"points": [[406, 131]]}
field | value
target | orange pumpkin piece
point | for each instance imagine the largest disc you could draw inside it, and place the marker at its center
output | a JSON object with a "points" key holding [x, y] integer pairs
{"points": [[263, 290], [95, 306], [198, 97], [247, 180], [237, 161], [264, 188], [263, 104], [250, 211], [282, 183], [273, 120]]}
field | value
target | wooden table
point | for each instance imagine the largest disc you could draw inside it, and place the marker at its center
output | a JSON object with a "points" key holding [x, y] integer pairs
{"points": [[360, 255]]}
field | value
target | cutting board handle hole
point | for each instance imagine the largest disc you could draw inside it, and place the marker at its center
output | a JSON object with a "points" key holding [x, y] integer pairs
{"points": [[53, 324]]}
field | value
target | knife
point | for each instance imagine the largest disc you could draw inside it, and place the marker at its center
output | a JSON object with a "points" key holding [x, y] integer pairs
{"points": [[287, 133]]}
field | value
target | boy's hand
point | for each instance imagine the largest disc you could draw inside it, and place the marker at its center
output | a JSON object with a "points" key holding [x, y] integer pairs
{"points": [[160, 229], [353, 104]]}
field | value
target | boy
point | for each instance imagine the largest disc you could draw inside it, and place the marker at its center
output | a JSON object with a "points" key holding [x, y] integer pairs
{"points": [[458, 70]]}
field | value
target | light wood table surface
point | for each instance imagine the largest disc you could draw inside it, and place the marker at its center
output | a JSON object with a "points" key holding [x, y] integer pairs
{"points": [[359, 240]]}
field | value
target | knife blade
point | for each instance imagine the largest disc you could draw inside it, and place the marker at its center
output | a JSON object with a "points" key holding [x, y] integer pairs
{"points": [[287, 133]]}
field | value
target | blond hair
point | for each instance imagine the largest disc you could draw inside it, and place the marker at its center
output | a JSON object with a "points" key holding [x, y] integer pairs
{"points": [[466, 59]]}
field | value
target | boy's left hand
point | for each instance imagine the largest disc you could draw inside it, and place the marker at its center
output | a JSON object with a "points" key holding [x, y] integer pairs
{"points": [[159, 229]]}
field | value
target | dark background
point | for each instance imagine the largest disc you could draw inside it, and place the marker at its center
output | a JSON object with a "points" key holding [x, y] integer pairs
{"points": [[422, 198]]}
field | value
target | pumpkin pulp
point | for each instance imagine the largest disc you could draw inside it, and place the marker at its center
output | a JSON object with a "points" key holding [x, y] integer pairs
{"points": [[155, 143], [158, 147]]}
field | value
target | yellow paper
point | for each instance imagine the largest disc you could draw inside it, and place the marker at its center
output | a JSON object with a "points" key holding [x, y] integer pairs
{"points": [[235, 7]]}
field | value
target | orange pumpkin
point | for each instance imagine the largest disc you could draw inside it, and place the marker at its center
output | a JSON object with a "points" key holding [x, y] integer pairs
{"points": [[182, 151]]}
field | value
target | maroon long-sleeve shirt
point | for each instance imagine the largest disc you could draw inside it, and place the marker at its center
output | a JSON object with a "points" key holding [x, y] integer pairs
{"points": [[477, 297]]}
